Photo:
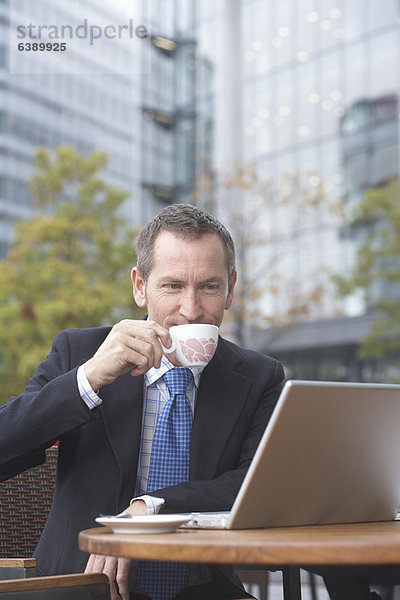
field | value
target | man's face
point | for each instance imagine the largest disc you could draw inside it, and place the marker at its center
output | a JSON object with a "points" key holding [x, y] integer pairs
{"points": [[188, 283]]}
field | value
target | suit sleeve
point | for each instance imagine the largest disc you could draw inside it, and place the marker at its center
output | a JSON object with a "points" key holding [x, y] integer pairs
{"points": [[49, 407]]}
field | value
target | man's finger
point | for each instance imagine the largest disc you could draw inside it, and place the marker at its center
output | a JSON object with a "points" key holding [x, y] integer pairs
{"points": [[94, 564], [122, 577], [108, 566]]}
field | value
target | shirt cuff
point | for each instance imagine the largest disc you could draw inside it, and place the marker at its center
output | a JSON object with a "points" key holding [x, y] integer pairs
{"points": [[90, 397], [153, 504]]}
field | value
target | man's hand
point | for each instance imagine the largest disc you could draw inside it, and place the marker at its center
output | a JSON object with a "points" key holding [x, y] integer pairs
{"points": [[116, 569], [131, 346], [138, 507]]}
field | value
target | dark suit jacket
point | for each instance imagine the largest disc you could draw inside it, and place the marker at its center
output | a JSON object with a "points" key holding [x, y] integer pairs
{"points": [[99, 449]]}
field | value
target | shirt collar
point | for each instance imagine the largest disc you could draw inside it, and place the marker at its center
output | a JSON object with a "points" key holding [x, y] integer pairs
{"points": [[154, 374]]}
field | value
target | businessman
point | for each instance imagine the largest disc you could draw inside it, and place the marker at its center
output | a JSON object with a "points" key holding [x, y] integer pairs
{"points": [[101, 390]]}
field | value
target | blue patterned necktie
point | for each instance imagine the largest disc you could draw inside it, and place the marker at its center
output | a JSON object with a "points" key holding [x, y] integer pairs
{"points": [[169, 465]]}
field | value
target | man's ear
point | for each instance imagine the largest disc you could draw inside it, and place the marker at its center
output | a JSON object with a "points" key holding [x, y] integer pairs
{"points": [[231, 287], [139, 287]]}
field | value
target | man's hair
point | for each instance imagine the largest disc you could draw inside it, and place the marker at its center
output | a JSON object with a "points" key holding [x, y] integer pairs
{"points": [[185, 221]]}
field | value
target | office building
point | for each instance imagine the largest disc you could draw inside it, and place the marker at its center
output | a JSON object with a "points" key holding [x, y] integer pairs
{"points": [[176, 126], [61, 105], [131, 97], [307, 96], [302, 97]]}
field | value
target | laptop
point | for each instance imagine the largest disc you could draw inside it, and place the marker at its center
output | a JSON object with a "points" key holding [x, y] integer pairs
{"points": [[329, 454]]}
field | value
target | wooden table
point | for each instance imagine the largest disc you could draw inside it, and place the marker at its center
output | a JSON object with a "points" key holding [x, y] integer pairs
{"points": [[286, 547]]}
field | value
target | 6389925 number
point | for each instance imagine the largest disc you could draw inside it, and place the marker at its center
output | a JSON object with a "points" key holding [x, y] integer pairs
{"points": [[42, 47]]}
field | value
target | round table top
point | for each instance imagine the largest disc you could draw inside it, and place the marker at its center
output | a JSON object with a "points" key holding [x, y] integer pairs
{"points": [[359, 543]]}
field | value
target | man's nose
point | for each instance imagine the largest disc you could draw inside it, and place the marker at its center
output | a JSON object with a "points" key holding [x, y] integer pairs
{"points": [[191, 307]]}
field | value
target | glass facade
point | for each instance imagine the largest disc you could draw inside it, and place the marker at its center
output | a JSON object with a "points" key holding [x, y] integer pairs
{"points": [[136, 106], [305, 92], [98, 112], [274, 115], [177, 125]]}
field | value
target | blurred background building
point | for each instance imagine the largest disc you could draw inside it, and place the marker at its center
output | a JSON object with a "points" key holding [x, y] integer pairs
{"points": [[176, 122], [61, 108], [138, 107], [305, 92], [274, 115]]}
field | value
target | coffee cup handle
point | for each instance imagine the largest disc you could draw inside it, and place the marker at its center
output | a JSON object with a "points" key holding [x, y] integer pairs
{"points": [[168, 350]]}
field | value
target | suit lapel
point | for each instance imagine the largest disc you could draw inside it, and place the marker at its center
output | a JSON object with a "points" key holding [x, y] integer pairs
{"points": [[222, 394], [122, 415]]}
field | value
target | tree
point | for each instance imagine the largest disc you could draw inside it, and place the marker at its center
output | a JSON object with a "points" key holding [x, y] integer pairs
{"points": [[69, 266], [376, 273], [268, 296]]}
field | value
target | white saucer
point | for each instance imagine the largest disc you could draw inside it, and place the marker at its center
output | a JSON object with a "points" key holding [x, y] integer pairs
{"points": [[144, 524]]}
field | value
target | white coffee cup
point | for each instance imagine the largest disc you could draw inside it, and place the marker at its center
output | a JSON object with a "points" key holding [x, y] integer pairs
{"points": [[194, 344]]}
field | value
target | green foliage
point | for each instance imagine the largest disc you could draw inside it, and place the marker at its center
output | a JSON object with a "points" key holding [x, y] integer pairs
{"points": [[69, 267], [378, 267]]}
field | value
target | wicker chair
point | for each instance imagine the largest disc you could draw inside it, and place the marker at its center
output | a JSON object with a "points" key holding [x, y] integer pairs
{"points": [[25, 504]]}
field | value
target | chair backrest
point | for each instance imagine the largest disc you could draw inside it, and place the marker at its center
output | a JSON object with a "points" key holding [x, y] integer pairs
{"points": [[62, 587], [24, 506]]}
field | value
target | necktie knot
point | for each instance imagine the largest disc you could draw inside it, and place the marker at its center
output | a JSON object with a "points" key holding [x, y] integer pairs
{"points": [[177, 380]]}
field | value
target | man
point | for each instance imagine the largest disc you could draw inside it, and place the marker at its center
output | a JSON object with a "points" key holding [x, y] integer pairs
{"points": [[94, 392]]}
